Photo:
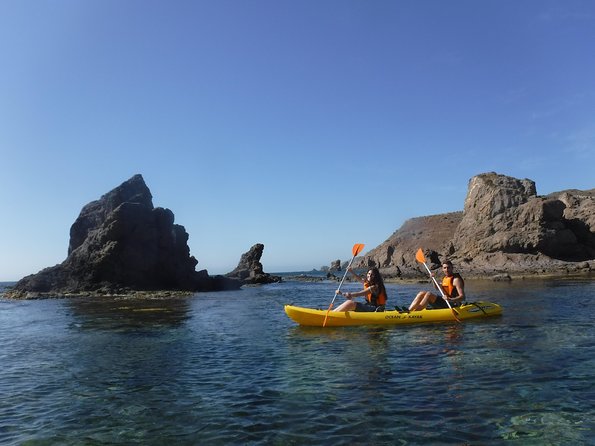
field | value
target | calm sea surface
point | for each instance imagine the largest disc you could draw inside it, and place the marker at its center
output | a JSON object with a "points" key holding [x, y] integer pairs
{"points": [[231, 369]]}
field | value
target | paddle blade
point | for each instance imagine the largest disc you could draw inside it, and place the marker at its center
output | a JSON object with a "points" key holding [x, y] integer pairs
{"points": [[419, 256], [357, 248]]}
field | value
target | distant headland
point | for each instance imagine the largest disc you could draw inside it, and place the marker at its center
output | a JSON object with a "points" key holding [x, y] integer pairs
{"points": [[505, 230]]}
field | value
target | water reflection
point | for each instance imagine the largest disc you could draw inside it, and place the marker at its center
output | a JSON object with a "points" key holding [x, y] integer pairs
{"points": [[128, 314]]}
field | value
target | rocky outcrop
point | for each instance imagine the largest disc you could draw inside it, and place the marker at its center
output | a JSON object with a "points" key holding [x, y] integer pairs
{"points": [[505, 216], [249, 269], [121, 242], [504, 227], [396, 256], [579, 215], [335, 265]]}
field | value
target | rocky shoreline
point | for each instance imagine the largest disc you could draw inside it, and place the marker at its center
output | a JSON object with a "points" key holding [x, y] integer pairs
{"points": [[578, 274], [389, 276], [125, 295], [121, 246]]}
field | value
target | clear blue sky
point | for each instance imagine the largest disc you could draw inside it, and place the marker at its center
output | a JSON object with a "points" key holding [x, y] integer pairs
{"points": [[306, 125]]}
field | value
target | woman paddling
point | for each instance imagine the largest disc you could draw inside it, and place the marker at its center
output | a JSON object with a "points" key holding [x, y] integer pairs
{"points": [[374, 291]]}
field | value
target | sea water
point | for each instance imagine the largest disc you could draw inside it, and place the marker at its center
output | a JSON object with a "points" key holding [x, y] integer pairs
{"points": [[230, 368]]}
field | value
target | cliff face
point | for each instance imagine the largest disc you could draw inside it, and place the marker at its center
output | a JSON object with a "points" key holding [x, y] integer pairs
{"points": [[121, 242], [505, 215], [505, 227]]}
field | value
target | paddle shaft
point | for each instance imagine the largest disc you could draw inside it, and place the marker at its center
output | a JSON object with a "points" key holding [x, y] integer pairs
{"points": [[357, 248], [441, 291], [341, 283], [436, 282]]}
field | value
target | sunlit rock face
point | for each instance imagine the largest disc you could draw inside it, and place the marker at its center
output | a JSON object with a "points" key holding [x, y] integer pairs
{"points": [[504, 227]]}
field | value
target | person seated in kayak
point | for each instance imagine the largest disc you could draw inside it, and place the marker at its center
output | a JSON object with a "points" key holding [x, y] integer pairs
{"points": [[374, 291], [452, 285]]}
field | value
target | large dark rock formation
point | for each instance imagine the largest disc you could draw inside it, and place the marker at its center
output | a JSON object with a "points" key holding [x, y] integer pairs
{"points": [[121, 242], [505, 227], [249, 269]]}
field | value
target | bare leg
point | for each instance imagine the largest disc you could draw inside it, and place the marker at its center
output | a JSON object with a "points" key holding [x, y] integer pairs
{"points": [[348, 305], [422, 300], [417, 300]]}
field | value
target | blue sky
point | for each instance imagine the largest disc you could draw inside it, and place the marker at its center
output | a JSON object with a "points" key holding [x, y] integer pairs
{"points": [[305, 125]]}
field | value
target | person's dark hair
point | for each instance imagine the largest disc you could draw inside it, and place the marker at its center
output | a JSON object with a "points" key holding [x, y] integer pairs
{"points": [[447, 262], [376, 279]]}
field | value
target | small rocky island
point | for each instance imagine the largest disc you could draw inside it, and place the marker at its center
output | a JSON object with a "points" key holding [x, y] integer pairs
{"points": [[504, 230], [122, 244], [249, 270]]}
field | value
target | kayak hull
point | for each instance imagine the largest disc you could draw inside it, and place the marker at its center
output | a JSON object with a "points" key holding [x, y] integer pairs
{"points": [[315, 318]]}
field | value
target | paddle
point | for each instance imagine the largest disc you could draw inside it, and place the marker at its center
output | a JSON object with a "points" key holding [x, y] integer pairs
{"points": [[357, 248], [419, 256]]}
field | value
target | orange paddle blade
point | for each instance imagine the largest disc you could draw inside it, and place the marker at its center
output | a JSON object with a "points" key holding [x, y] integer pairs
{"points": [[357, 248], [419, 256]]}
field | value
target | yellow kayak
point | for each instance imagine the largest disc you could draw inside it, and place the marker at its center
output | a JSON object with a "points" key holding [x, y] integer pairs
{"points": [[315, 318]]}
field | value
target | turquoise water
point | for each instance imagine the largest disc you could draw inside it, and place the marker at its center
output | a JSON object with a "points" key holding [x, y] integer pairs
{"points": [[231, 369]]}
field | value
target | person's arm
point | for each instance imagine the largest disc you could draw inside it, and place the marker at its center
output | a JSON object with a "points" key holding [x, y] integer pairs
{"points": [[355, 275], [363, 292], [458, 283]]}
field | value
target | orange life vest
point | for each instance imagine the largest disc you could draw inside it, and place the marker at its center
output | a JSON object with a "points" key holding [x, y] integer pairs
{"points": [[448, 285], [375, 300]]}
